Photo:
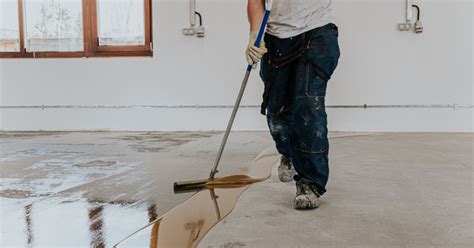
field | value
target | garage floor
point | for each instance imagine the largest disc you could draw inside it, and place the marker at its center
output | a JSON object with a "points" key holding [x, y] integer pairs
{"points": [[80, 189]]}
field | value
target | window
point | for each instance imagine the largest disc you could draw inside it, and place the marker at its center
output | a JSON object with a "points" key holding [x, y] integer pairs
{"points": [[75, 28], [120, 25], [53, 25], [9, 30]]}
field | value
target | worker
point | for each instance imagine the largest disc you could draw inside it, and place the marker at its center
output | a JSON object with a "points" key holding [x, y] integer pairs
{"points": [[298, 55]]}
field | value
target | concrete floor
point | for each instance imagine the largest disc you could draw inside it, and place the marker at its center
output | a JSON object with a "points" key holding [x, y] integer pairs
{"points": [[385, 190], [93, 189]]}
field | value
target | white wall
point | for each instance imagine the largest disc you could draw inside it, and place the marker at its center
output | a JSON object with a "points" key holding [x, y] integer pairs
{"points": [[379, 66]]}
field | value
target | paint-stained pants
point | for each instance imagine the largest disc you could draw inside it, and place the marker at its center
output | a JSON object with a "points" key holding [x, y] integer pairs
{"points": [[296, 72]]}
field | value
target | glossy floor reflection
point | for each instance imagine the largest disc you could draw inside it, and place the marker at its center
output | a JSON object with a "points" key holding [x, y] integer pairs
{"points": [[92, 189], [187, 224], [61, 223]]}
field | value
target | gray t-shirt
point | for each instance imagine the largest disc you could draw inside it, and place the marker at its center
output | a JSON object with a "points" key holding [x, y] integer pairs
{"points": [[293, 17]]}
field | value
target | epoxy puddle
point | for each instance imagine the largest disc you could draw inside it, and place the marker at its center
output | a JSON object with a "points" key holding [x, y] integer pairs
{"points": [[188, 223]]}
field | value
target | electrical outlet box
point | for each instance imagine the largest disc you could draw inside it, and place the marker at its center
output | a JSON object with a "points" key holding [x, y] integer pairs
{"points": [[189, 31], [407, 26]]}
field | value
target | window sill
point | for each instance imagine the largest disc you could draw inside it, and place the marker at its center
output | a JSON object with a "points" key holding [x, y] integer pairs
{"points": [[107, 54]]}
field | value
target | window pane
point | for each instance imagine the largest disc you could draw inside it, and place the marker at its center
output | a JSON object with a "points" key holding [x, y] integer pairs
{"points": [[121, 22], [53, 25], [9, 26]]}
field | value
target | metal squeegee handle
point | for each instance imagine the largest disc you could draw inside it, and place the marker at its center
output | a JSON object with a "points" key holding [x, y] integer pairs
{"points": [[241, 93]]}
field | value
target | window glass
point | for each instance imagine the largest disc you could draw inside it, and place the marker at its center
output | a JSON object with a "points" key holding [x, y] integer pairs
{"points": [[53, 25], [121, 22], [9, 26]]}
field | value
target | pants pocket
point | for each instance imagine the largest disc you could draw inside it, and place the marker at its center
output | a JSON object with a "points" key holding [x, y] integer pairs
{"points": [[318, 63], [313, 81], [324, 53]]}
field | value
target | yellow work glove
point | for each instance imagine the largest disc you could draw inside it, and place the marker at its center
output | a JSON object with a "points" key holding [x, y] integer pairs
{"points": [[254, 54]]}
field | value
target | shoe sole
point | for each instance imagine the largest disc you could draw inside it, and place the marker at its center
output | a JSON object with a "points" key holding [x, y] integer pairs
{"points": [[302, 204], [305, 207]]}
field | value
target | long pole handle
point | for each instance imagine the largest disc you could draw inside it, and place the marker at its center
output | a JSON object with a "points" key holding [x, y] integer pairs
{"points": [[239, 97]]}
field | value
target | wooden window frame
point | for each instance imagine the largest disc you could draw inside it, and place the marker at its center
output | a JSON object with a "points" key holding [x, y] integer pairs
{"points": [[90, 32]]}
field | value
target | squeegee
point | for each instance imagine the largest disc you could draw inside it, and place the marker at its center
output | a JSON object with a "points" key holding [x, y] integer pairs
{"points": [[184, 186]]}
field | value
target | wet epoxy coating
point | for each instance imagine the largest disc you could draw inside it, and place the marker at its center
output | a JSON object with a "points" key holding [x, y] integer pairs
{"points": [[61, 189], [188, 223]]}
